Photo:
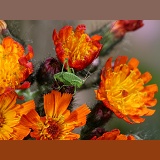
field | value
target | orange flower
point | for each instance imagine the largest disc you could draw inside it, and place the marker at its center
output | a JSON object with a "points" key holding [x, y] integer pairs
{"points": [[10, 115], [14, 65], [122, 90], [58, 122], [114, 135], [76, 46], [120, 27]]}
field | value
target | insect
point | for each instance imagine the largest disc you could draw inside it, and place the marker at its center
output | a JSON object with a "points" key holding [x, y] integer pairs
{"points": [[69, 78]]}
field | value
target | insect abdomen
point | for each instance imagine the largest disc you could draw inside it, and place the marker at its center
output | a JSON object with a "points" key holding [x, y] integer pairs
{"points": [[69, 79]]}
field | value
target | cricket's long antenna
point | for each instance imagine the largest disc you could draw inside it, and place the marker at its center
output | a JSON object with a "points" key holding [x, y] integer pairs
{"points": [[87, 75], [91, 66]]}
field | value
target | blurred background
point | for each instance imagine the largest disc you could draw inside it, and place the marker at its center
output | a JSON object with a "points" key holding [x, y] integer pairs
{"points": [[143, 44]]}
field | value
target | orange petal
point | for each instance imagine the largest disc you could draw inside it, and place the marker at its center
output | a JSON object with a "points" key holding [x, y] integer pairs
{"points": [[121, 137], [146, 77], [20, 132], [31, 119], [112, 134], [96, 37], [79, 115], [63, 103], [133, 63], [149, 112], [30, 53], [25, 85], [80, 29], [49, 104], [136, 119], [151, 88], [55, 37], [64, 33], [66, 114], [27, 106], [7, 100], [151, 103], [130, 137], [72, 136], [108, 64], [120, 60]]}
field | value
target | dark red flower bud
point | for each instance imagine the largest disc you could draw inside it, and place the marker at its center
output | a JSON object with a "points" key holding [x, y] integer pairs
{"points": [[120, 27], [98, 132], [47, 70]]}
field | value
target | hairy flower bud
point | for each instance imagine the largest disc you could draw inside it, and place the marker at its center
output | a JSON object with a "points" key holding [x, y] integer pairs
{"points": [[120, 27], [47, 70]]}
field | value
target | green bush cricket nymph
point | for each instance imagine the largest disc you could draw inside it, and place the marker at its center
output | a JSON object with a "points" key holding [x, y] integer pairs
{"points": [[69, 78]]}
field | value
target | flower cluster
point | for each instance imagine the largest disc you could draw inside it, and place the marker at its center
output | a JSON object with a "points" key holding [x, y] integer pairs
{"points": [[121, 89]]}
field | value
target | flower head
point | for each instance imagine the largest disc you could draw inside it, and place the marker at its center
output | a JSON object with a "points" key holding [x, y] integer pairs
{"points": [[76, 46], [14, 65], [114, 135], [58, 122], [120, 27], [10, 115], [122, 90]]}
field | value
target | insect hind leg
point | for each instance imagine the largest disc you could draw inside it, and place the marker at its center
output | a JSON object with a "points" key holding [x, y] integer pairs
{"points": [[70, 91]]}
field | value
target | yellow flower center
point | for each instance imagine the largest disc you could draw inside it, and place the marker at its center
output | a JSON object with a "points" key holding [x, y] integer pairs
{"points": [[123, 91], [53, 129], [76, 47]]}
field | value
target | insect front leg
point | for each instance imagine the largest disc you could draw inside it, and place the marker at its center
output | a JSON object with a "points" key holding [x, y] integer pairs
{"points": [[56, 81], [66, 62], [72, 70]]}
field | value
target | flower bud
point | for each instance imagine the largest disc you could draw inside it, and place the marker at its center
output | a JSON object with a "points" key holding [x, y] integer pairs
{"points": [[120, 27], [47, 70]]}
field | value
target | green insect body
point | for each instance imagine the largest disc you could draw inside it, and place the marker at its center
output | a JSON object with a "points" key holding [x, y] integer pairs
{"points": [[69, 78]]}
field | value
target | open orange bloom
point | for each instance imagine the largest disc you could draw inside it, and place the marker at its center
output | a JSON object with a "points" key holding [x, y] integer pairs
{"points": [[76, 46], [14, 65], [58, 122], [122, 90], [10, 115], [114, 135]]}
